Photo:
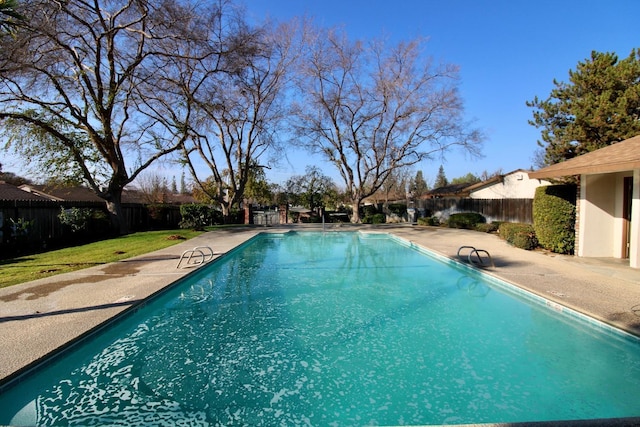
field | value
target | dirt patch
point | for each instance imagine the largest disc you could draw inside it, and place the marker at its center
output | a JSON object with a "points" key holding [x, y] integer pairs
{"points": [[39, 291], [121, 269], [118, 269], [176, 237]]}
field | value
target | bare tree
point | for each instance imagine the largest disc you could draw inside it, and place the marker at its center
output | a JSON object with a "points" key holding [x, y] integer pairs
{"points": [[153, 187], [395, 187], [370, 110], [239, 114], [81, 84]]}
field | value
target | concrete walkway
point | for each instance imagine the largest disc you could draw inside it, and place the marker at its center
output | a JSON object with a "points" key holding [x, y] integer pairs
{"points": [[38, 317]]}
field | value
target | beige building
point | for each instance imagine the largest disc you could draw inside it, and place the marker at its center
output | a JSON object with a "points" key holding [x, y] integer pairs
{"points": [[513, 185], [608, 205]]}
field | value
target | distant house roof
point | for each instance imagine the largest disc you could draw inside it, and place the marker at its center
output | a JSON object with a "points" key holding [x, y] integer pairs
{"points": [[618, 157], [84, 194], [59, 194], [486, 183], [495, 179], [11, 192], [453, 190], [181, 199]]}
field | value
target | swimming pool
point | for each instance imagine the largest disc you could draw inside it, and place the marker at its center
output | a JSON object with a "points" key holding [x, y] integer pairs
{"points": [[335, 329]]}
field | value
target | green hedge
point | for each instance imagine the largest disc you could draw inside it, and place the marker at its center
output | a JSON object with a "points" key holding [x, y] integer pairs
{"points": [[554, 217], [368, 210], [519, 235], [376, 218], [429, 220], [488, 228], [397, 208], [196, 216], [466, 220]]}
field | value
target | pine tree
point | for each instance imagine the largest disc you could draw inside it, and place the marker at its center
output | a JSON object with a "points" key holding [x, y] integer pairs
{"points": [[183, 184], [419, 186], [441, 179], [599, 106]]}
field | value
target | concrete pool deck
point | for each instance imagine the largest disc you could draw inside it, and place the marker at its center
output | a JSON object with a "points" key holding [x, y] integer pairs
{"points": [[38, 317]]}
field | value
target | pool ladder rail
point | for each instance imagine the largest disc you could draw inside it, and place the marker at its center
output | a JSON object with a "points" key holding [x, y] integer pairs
{"points": [[476, 258], [196, 256]]}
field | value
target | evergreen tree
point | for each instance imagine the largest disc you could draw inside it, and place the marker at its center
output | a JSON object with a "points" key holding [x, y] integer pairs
{"points": [[418, 185], [441, 179], [599, 106], [183, 184], [469, 178], [174, 185]]}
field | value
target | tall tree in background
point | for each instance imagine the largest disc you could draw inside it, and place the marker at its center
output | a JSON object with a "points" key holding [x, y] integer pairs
{"points": [[153, 187], [257, 189], [81, 88], [441, 178], [311, 190], [395, 187], [419, 185], [599, 106], [370, 109], [240, 114], [469, 178]]}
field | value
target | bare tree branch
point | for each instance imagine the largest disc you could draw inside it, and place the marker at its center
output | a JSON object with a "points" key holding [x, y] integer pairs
{"points": [[97, 72], [372, 110]]}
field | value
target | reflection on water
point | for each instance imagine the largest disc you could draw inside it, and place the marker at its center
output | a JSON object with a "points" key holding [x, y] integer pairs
{"points": [[333, 329]]}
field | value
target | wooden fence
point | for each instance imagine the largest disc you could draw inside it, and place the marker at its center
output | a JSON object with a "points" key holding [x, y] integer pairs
{"points": [[507, 210], [44, 229]]}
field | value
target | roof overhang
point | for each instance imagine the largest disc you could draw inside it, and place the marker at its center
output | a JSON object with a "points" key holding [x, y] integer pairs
{"points": [[619, 157]]}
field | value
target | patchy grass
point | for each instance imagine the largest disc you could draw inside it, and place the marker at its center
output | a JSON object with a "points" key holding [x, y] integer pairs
{"points": [[32, 267]]}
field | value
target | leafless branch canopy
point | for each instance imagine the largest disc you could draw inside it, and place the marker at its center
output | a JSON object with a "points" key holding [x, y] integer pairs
{"points": [[239, 113], [108, 79], [371, 109]]}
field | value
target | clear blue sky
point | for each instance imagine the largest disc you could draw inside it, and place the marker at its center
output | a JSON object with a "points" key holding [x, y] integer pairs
{"points": [[508, 51]]}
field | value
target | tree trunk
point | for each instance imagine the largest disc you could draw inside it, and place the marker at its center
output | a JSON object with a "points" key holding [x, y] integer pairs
{"points": [[355, 218], [226, 212], [119, 224]]}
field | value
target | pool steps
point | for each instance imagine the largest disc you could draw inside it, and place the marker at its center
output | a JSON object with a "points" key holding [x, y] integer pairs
{"points": [[196, 256], [475, 257]]}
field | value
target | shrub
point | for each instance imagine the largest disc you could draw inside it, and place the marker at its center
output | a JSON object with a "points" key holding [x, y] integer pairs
{"points": [[488, 228], [196, 216], [76, 218], [554, 217], [432, 220], [519, 235], [20, 227], [466, 220], [397, 208], [378, 218], [368, 210]]}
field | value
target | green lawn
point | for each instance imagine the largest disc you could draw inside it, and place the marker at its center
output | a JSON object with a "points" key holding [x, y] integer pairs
{"points": [[31, 267]]}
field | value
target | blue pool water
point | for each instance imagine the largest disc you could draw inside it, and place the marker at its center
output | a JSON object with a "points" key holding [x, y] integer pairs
{"points": [[334, 329]]}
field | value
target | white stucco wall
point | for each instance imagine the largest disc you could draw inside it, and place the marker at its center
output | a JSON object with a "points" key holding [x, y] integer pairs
{"points": [[516, 185], [597, 215], [601, 229], [634, 250]]}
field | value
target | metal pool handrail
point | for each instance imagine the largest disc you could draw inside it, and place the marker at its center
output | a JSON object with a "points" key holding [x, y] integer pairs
{"points": [[199, 255], [478, 262]]}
